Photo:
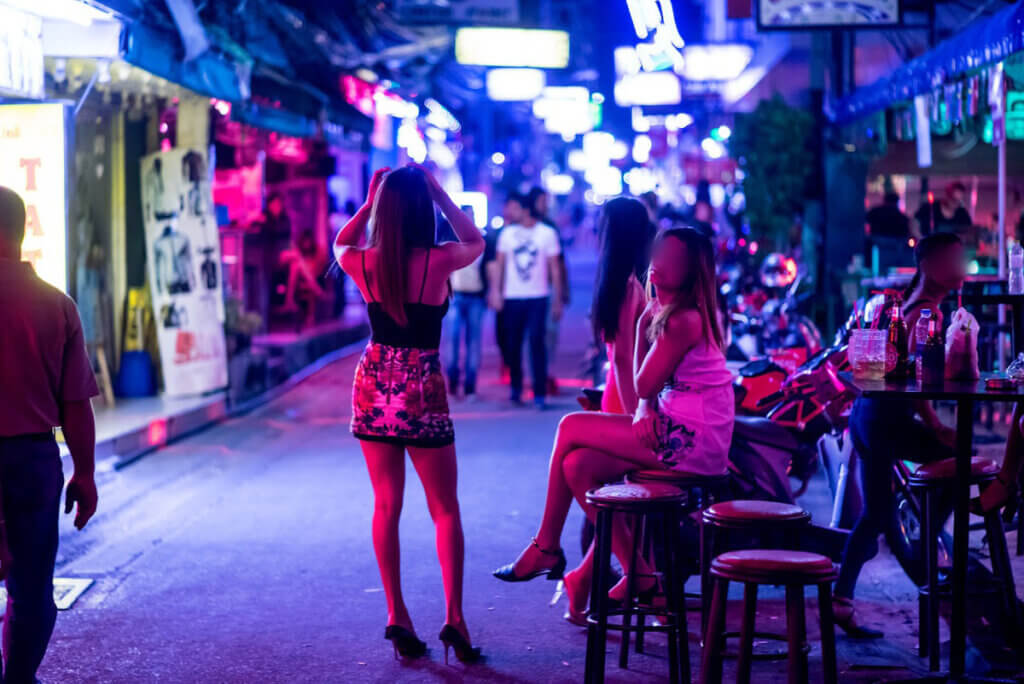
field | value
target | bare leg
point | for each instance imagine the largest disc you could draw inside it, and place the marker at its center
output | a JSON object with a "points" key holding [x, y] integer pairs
{"points": [[306, 273], [998, 492], [589, 468], [439, 475], [386, 463], [610, 433]]}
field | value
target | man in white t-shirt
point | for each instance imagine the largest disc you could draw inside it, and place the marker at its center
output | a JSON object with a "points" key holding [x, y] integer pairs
{"points": [[530, 281]]}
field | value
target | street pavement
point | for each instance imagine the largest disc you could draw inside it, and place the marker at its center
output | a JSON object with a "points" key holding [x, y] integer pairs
{"points": [[243, 554]]}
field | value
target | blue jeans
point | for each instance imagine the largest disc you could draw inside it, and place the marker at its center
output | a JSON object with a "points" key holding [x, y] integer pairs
{"points": [[527, 317], [882, 430], [467, 323], [31, 480]]}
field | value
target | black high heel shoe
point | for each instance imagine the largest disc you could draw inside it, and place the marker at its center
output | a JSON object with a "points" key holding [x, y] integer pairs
{"points": [[405, 643], [464, 651], [507, 573]]}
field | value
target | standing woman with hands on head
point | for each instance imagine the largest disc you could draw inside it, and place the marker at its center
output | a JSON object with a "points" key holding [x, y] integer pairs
{"points": [[399, 399]]}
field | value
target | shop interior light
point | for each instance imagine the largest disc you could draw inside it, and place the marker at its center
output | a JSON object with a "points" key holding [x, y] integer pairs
{"points": [[642, 148], [505, 85], [677, 122], [438, 115], [619, 150], [498, 158], [477, 202], [648, 88], [576, 160], [512, 47], [712, 148], [393, 105], [721, 133], [640, 179], [497, 222], [368, 75], [721, 62], [409, 139], [441, 154], [74, 11], [559, 183], [436, 134], [627, 61], [606, 181], [641, 124]]}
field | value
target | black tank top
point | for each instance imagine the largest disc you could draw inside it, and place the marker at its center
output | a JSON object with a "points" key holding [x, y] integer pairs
{"points": [[423, 330]]}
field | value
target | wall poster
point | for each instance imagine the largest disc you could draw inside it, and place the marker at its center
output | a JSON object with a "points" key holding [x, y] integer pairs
{"points": [[184, 267]]}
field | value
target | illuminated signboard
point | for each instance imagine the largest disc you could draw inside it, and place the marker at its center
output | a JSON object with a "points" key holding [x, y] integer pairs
{"points": [[512, 47], [648, 88], [810, 14], [21, 54], [32, 163]]}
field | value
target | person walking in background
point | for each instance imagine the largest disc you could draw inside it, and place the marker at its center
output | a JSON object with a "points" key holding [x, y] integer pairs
{"points": [[512, 213], [399, 402], [530, 286], [469, 300], [538, 202], [947, 215], [47, 381]]}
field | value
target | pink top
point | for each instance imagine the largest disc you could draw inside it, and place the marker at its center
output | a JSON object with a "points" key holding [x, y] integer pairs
{"points": [[43, 360]]}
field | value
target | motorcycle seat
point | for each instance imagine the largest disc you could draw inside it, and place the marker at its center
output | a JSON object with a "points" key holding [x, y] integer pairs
{"points": [[759, 430], [759, 367], [981, 468]]}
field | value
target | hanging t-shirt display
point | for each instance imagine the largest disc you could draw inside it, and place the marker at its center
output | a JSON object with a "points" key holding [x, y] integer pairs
{"points": [[183, 254]]}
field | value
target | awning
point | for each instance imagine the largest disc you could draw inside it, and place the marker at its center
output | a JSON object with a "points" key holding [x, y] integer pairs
{"points": [[986, 41], [279, 120], [160, 52]]}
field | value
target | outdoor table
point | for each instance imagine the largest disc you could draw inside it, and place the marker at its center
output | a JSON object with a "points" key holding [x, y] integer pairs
{"points": [[965, 394]]}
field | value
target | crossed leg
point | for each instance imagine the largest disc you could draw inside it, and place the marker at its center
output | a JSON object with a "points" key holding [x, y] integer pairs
{"points": [[590, 449]]}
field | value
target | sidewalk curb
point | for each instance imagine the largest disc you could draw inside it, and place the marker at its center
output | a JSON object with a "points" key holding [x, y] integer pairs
{"points": [[177, 427]]}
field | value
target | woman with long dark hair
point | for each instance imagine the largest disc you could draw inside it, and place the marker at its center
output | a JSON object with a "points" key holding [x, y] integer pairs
{"points": [[399, 399], [619, 296], [683, 421]]}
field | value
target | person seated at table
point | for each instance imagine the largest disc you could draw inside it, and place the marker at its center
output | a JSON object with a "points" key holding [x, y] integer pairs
{"points": [[999, 492], [304, 262], [683, 421], [884, 429]]}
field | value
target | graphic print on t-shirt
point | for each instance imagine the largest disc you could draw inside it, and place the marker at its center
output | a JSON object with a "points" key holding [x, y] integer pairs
{"points": [[525, 259]]}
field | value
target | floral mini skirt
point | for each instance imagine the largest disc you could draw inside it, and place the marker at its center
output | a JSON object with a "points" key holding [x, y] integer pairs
{"points": [[399, 396]]}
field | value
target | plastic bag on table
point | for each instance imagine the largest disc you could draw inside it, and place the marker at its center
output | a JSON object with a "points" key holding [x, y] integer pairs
{"points": [[962, 346]]}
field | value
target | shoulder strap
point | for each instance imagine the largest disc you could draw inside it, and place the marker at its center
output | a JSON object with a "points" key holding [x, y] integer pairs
{"points": [[366, 277], [426, 271]]}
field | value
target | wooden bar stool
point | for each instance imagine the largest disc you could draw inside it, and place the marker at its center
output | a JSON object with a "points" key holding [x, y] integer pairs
{"points": [[663, 504], [928, 481], [701, 491], [753, 567], [768, 518]]}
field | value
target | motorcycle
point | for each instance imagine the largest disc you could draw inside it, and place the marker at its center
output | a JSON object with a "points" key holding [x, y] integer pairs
{"points": [[765, 319]]}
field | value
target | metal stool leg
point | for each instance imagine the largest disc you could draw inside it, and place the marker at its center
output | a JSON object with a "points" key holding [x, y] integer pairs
{"points": [[1001, 565], [647, 549], [707, 540], [747, 633], [828, 633], [628, 604], [711, 667], [931, 555], [597, 632], [675, 598], [796, 632]]}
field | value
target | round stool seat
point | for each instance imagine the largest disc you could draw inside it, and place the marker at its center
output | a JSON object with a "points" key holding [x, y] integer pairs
{"points": [[754, 512], [981, 468], [633, 495], [758, 565]]}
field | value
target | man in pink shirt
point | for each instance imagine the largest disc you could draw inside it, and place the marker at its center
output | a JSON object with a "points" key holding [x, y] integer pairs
{"points": [[46, 381]]}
